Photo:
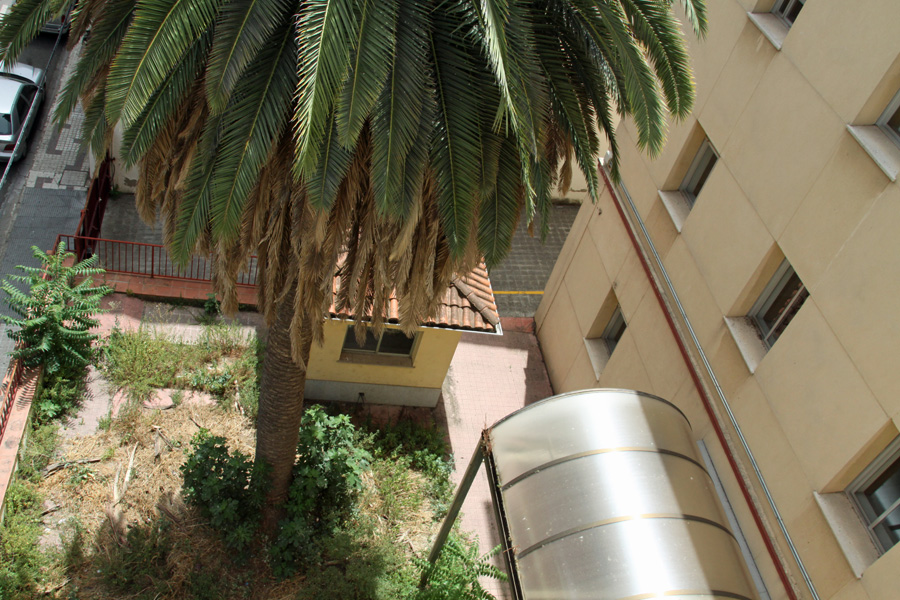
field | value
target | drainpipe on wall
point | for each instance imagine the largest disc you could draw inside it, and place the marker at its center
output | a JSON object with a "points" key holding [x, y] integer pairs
{"points": [[708, 387]]}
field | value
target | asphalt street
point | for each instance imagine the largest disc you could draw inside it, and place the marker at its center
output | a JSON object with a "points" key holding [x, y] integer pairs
{"points": [[33, 216]]}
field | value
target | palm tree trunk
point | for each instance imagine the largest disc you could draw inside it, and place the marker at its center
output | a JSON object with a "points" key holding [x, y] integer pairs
{"points": [[280, 410]]}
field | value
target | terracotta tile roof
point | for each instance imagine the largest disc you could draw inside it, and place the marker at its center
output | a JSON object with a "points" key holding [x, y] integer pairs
{"points": [[468, 305]]}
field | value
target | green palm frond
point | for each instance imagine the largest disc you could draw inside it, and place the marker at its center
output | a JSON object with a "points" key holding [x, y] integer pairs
{"points": [[21, 24], [95, 129], [251, 126], [396, 113], [325, 31], [334, 161], [609, 29], [106, 35], [659, 32], [138, 138], [370, 62], [499, 211], [455, 153], [160, 34], [193, 216], [507, 31], [241, 30], [696, 14]]}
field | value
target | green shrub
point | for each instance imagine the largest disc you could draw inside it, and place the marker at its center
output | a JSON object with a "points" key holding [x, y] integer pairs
{"points": [[21, 559], [427, 451], [59, 393], [40, 444], [455, 575], [326, 481], [226, 487], [56, 316], [328, 472]]}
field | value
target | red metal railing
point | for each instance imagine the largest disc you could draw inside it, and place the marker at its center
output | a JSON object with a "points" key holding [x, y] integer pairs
{"points": [[95, 207], [11, 385], [149, 260]]}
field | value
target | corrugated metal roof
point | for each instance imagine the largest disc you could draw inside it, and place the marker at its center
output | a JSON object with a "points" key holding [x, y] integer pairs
{"points": [[468, 304]]}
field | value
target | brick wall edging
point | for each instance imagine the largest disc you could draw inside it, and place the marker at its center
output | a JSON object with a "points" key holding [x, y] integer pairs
{"points": [[14, 434]]}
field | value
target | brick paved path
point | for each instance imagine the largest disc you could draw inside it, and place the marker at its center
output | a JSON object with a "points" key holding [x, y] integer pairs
{"points": [[490, 377], [528, 266]]}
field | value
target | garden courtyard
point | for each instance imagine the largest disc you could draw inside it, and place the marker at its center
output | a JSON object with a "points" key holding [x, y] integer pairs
{"points": [[120, 515]]}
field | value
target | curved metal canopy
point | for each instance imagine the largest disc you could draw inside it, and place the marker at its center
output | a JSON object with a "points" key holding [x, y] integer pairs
{"points": [[602, 494]]}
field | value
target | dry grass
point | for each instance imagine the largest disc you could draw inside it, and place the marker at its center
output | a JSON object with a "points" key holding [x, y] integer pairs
{"points": [[394, 511]]}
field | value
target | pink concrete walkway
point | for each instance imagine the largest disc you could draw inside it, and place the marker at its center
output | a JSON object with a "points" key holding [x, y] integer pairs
{"points": [[490, 377]]}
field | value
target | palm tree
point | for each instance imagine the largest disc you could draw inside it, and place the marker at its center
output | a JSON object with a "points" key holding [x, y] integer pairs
{"points": [[389, 142]]}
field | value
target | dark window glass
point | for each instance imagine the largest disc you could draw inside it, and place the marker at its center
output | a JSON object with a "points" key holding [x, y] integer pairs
{"points": [[699, 172], [789, 9], [786, 304], [614, 330], [893, 122], [779, 303], [350, 343], [883, 495], [5, 124], [883, 498], [394, 341]]}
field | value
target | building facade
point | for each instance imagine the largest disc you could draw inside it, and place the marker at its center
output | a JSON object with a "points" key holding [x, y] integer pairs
{"points": [[750, 274]]}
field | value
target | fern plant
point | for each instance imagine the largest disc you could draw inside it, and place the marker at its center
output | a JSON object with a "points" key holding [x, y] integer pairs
{"points": [[455, 575], [56, 315]]}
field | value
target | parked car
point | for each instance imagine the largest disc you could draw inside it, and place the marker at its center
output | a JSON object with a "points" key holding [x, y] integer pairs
{"points": [[20, 86], [60, 25]]}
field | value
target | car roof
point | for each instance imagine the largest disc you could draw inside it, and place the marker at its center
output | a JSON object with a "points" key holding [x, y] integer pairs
{"points": [[9, 91]]}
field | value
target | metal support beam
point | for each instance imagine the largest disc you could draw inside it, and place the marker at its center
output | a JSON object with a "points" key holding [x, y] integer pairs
{"points": [[461, 492]]}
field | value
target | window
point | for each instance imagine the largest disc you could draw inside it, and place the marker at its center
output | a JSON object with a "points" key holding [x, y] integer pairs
{"points": [[876, 493], [699, 172], [779, 302], [614, 330], [23, 104], [605, 333], [787, 10], [392, 342], [889, 121]]}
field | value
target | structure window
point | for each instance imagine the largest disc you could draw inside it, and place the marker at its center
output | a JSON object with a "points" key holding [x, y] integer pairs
{"points": [[787, 10], [699, 172], [605, 333], [876, 493], [889, 121], [614, 330], [779, 302], [391, 342]]}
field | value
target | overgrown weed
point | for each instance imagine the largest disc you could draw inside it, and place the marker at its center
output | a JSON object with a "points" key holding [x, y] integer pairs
{"points": [[223, 362]]}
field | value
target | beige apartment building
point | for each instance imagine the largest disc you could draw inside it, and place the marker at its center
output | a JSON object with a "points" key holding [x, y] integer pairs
{"points": [[750, 274]]}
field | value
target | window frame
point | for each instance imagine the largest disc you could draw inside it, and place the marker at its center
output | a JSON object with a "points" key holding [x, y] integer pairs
{"points": [[783, 7], [856, 492], [768, 297], [377, 351], [892, 109], [694, 175], [614, 330]]}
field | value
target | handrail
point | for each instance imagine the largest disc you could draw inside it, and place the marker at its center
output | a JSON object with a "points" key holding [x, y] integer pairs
{"points": [[150, 260]]}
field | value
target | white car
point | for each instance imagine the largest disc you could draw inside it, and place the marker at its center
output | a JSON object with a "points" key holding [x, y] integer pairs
{"points": [[20, 86]]}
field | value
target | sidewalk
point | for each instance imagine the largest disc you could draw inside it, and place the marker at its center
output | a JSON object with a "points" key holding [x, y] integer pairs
{"points": [[490, 377]]}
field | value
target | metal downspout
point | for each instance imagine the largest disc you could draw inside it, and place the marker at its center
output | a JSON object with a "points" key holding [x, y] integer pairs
{"points": [[704, 394]]}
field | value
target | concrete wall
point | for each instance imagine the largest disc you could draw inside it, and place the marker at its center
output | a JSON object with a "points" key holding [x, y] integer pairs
{"points": [[418, 384], [791, 182]]}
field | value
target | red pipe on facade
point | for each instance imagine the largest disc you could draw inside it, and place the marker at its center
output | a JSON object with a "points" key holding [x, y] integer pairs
{"points": [[707, 401]]}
